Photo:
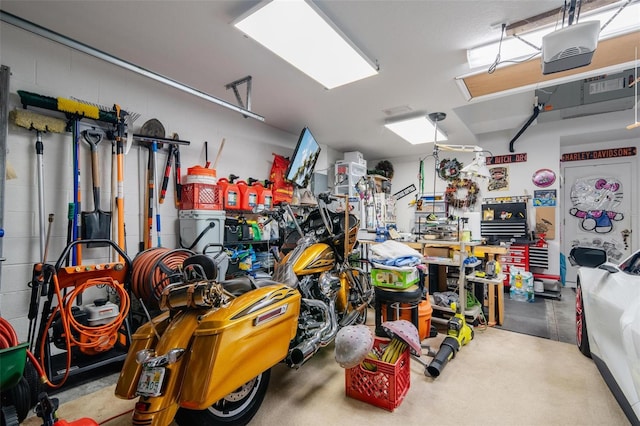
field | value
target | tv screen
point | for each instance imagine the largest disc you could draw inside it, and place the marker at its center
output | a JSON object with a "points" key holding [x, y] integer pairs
{"points": [[303, 161]]}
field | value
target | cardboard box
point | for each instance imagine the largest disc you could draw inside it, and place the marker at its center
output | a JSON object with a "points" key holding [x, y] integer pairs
{"points": [[436, 252]]}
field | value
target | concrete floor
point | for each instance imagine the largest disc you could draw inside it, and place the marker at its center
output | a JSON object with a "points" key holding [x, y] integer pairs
{"points": [[559, 316]]}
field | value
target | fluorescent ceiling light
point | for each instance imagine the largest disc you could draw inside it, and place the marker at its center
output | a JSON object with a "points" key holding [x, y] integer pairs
{"points": [[416, 130], [298, 32], [513, 49]]}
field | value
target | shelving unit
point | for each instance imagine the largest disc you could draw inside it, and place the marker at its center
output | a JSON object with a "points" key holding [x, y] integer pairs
{"points": [[495, 295], [347, 174], [471, 314]]}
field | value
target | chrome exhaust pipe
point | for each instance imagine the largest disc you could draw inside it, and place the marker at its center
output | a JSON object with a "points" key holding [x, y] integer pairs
{"points": [[305, 350]]}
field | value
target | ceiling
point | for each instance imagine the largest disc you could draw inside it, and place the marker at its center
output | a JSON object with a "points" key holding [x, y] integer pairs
{"points": [[420, 46]]}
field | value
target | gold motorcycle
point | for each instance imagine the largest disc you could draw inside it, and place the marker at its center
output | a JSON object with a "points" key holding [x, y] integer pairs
{"points": [[206, 359]]}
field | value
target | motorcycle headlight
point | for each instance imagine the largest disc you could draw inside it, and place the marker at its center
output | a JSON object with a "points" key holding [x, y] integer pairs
{"points": [[328, 283]]}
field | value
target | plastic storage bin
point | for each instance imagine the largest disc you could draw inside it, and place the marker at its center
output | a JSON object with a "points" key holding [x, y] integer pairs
{"points": [[12, 361], [386, 387], [394, 278], [201, 196], [201, 227], [200, 191]]}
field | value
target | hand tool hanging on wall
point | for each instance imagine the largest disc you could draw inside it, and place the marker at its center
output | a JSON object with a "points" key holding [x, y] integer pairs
{"points": [[175, 145], [177, 180], [152, 129], [154, 149], [167, 173], [148, 230], [120, 125], [76, 258], [96, 224], [173, 158], [113, 192], [41, 124]]}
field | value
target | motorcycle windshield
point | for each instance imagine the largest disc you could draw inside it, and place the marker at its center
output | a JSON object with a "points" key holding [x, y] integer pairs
{"points": [[283, 270], [283, 273]]}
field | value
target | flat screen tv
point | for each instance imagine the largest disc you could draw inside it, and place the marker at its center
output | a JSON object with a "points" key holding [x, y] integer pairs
{"points": [[303, 161]]}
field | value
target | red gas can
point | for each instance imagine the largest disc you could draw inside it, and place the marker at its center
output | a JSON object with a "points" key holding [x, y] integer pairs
{"points": [[248, 196], [230, 194], [265, 196]]}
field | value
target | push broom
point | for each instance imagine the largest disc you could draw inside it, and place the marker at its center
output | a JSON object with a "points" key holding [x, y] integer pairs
{"points": [[41, 124]]}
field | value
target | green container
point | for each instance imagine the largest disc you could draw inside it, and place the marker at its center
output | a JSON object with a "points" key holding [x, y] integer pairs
{"points": [[12, 361], [391, 278]]}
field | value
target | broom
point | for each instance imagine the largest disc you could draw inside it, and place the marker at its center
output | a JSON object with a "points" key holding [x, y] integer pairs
{"points": [[41, 124]]}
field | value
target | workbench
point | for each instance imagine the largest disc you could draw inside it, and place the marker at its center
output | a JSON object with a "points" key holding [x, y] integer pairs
{"points": [[494, 286]]}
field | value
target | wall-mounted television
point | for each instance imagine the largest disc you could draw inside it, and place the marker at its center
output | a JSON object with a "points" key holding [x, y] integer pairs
{"points": [[303, 161]]}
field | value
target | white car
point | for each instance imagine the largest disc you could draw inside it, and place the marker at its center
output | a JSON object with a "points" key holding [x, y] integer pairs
{"points": [[608, 322]]}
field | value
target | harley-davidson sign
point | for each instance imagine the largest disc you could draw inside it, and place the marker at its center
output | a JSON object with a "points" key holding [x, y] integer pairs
{"points": [[599, 154]]}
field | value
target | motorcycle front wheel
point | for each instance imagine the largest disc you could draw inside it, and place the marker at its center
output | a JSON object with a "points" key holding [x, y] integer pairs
{"points": [[237, 408]]}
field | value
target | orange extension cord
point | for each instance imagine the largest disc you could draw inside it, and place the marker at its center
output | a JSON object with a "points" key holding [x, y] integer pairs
{"points": [[94, 336], [152, 270]]}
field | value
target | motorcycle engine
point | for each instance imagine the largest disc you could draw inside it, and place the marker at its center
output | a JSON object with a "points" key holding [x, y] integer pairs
{"points": [[329, 283]]}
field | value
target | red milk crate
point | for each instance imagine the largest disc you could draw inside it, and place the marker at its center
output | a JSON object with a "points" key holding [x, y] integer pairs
{"points": [[386, 387], [201, 196]]}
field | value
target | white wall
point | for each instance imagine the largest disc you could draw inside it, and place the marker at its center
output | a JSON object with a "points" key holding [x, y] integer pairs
{"points": [[49, 69], [543, 144]]}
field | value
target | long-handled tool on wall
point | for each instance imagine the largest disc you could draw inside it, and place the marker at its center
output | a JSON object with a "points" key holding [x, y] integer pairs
{"points": [[96, 224], [120, 138], [41, 124]]}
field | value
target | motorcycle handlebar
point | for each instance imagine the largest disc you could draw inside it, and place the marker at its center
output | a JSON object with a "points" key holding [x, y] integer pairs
{"points": [[328, 197]]}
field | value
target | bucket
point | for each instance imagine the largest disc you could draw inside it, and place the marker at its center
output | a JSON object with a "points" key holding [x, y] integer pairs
{"points": [[248, 196], [230, 194], [199, 174], [424, 316]]}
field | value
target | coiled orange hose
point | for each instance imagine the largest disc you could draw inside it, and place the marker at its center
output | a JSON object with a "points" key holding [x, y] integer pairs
{"points": [[154, 269], [94, 337]]}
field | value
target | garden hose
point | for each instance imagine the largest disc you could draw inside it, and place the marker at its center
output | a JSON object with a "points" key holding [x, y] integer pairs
{"points": [[153, 270], [9, 338]]}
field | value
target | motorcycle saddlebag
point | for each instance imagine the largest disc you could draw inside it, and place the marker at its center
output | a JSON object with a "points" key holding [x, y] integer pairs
{"points": [[235, 344]]}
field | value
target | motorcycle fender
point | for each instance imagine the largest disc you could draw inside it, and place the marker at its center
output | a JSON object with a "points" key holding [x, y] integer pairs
{"points": [[161, 410], [316, 258], [233, 345], [143, 338]]}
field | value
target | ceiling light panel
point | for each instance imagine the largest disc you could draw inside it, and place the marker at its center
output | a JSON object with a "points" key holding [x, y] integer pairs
{"points": [[298, 32], [416, 130]]}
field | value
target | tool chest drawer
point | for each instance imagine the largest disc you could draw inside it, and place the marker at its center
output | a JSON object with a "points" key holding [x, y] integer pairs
{"points": [[516, 256]]}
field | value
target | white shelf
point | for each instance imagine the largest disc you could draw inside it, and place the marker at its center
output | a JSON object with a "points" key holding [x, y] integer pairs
{"points": [[499, 279], [470, 314]]}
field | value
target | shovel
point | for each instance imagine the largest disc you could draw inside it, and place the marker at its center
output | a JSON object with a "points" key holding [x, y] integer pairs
{"points": [[96, 224]]}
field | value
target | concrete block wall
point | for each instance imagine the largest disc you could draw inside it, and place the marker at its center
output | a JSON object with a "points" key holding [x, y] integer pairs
{"points": [[47, 68]]}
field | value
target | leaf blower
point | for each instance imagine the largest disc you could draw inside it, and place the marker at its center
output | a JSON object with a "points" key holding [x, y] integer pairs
{"points": [[458, 334]]}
